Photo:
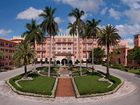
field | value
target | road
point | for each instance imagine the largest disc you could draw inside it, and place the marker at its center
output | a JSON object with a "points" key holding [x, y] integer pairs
{"points": [[130, 99]]}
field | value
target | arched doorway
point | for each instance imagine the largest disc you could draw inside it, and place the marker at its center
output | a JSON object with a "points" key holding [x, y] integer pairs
{"points": [[64, 61], [58, 62], [70, 62]]}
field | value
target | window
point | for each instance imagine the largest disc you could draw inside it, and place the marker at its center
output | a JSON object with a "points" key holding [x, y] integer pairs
{"points": [[58, 48], [69, 48], [69, 40]]}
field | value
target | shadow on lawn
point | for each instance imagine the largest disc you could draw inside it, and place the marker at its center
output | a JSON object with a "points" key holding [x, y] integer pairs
{"points": [[33, 75]]}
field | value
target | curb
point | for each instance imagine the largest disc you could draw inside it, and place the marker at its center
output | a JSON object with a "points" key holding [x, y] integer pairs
{"points": [[54, 88], [77, 94]]}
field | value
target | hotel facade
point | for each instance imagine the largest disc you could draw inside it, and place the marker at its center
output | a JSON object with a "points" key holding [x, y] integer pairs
{"points": [[65, 47], [70, 48], [8, 48]]}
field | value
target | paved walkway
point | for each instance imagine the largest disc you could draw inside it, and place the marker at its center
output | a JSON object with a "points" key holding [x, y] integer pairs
{"points": [[63, 71], [65, 88], [128, 94]]}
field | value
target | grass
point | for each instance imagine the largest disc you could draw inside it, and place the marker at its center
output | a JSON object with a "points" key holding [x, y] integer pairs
{"points": [[123, 68], [76, 71], [39, 84], [90, 84], [53, 71], [135, 71]]}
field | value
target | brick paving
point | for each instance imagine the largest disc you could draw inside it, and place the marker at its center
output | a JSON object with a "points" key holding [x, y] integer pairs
{"points": [[65, 88]]}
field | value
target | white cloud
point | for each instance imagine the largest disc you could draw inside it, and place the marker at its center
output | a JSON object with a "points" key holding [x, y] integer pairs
{"points": [[127, 29], [58, 20], [30, 13], [86, 5], [115, 14], [135, 4], [104, 11], [71, 19], [4, 32], [133, 15], [63, 31], [130, 42]]}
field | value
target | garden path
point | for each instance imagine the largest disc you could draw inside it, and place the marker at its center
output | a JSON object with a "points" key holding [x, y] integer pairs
{"points": [[65, 88]]}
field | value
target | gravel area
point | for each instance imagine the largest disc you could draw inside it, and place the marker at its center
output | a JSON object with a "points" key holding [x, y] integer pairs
{"points": [[125, 89]]}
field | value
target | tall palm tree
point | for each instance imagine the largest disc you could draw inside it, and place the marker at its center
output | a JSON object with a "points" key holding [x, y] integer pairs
{"points": [[50, 26], [24, 54], [72, 32], [79, 27], [92, 31], [108, 37], [34, 34]]}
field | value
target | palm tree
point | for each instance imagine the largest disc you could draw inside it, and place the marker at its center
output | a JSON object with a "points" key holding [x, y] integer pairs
{"points": [[79, 26], [92, 31], [99, 54], [72, 32], [50, 26], [34, 34], [108, 37], [24, 54]]}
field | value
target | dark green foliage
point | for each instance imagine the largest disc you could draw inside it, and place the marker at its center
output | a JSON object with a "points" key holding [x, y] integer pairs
{"points": [[108, 37], [50, 26], [24, 54], [135, 55], [99, 53], [34, 33]]}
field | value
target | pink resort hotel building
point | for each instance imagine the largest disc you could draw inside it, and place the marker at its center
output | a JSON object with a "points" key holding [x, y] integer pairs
{"points": [[66, 47]]}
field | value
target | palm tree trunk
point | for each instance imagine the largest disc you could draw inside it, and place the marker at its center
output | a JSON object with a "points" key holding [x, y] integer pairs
{"points": [[86, 53], [25, 69], [93, 56], [42, 55], [53, 54], [50, 57], [79, 54], [34, 58], [107, 68], [73, 51]]}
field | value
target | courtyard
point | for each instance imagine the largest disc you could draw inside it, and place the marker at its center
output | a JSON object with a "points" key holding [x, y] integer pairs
{"points": [[129, 89]]}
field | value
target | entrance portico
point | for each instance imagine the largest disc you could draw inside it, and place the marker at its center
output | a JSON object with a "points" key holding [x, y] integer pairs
{"points": [[64, 58]]}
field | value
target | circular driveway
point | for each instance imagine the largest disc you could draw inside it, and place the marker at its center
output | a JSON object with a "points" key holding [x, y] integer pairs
{"points": [[132, 98]]}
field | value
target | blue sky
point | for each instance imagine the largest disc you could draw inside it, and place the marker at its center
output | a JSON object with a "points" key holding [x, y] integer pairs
{"points": [[124, 14]]}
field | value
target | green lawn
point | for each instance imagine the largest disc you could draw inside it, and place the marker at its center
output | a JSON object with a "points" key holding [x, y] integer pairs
{"points": [[39, 84], [135, 71], [53, 71], [76, 71], [123, 68], [91, 85]]}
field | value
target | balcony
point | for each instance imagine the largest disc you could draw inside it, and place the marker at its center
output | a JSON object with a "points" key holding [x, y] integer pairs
{"points": [[40, 50], [64, 54], [86, 50], [68, 42], [87, 42]]}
